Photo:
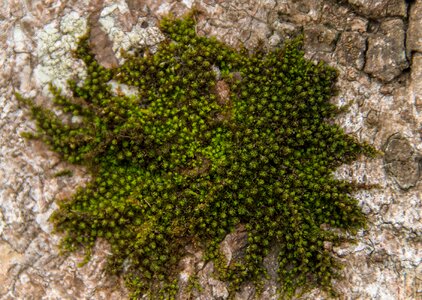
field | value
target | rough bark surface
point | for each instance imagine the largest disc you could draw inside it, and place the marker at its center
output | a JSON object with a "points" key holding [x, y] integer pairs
{"points": [[375, 44]]}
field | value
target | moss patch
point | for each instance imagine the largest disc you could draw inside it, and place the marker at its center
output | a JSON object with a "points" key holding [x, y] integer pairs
{"points": [[215, 138]]}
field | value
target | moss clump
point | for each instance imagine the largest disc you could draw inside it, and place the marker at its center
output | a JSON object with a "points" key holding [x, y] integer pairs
{"points": [[215, 138]]}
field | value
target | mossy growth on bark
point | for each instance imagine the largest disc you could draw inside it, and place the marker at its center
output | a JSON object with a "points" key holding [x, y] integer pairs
{"points": [[214, 139]]}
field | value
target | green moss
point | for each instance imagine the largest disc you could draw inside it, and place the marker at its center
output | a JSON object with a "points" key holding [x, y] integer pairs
{"points": [[63, 173], [183, 164]]}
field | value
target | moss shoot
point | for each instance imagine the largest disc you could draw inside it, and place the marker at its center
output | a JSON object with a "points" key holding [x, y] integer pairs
{"points": [[215, 138]]}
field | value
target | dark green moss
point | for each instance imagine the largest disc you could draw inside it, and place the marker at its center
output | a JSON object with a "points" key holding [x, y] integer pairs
{"points": [[63, 173], [194, 155]]}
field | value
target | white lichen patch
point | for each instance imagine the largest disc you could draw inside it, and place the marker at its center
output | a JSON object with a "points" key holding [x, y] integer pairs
{"points": [[20, 41], [137, 38], [188, 3], [164, 8], [184, 277], [121, 5], [55, 43], [123, 89]]}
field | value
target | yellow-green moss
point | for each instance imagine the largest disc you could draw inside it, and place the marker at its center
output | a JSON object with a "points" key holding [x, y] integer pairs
{"points": [[179, 164]]}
